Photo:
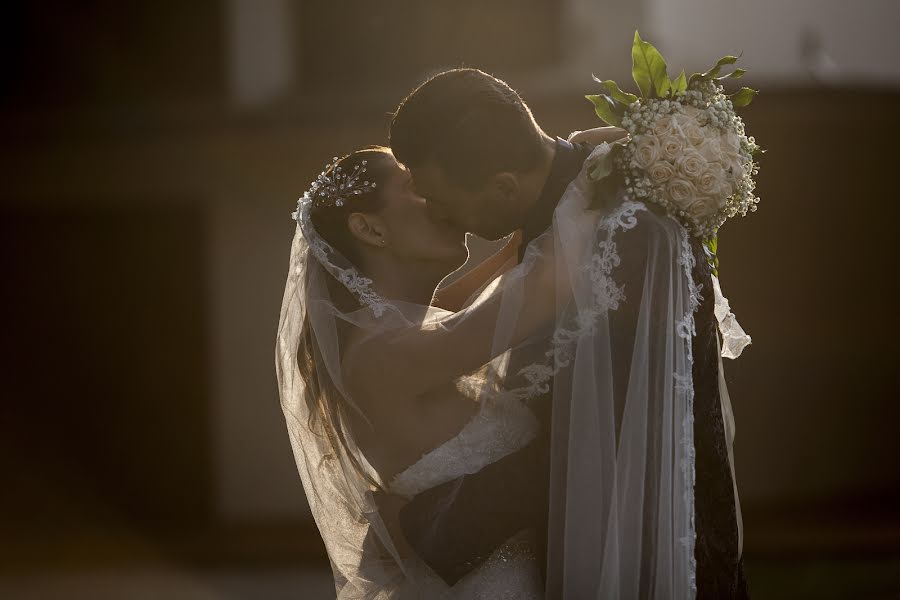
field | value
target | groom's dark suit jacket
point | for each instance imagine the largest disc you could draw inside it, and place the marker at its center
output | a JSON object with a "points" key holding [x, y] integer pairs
{"points": [[457, 525]]}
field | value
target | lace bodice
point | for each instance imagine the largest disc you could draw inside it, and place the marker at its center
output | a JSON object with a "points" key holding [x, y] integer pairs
{"points": [[502, 426]]}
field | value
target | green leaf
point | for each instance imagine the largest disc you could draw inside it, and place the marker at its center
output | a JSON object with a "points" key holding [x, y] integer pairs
{"points": [[736, 74], [712, 248], [648, 68], [602, 167], [680, 84], [742, 97], [725, 60], [612, 89], [714, 71], [607, 109]]}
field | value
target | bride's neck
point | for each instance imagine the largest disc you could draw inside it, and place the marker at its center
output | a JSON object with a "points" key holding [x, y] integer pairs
{"points": [[412, 283]]}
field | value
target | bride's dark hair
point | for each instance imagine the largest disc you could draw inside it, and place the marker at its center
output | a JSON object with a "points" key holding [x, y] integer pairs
{"points": [[327, 410], [330, 222]]}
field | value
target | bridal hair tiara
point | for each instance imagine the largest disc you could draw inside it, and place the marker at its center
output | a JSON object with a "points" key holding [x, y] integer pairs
{"points": [[334, 186], [332, 190]]}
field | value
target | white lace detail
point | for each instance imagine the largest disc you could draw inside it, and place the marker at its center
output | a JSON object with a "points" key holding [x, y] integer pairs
{"points": [[684, 385], [607, 296], [359, 286], [502, 426], [685, 326], [734, 338]]}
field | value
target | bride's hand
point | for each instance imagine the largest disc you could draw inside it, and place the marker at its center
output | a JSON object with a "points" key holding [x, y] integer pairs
{"points": [[598, 135]]}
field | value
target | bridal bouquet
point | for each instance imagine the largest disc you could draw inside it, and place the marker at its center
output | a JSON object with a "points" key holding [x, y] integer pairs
{"points": [[687, 151]]}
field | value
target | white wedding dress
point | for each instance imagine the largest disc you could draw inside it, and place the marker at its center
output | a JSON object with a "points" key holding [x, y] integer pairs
{"points": [[502, 426]]}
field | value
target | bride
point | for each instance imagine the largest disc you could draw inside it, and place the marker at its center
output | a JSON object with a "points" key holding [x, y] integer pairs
{"points": [[377, 401], [387, 396]]}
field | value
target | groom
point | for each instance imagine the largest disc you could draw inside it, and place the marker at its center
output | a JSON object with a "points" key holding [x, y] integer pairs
{"points": [[483, 163]]}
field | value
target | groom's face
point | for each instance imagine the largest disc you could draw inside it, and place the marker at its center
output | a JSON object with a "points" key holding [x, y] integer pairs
{"points": [[487, 210]]}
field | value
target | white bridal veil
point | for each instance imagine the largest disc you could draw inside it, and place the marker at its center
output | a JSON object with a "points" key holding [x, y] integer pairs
{"points": [[601, 314]]}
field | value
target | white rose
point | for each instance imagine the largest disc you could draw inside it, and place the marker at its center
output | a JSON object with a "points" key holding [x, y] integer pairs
{"points": [[686, 121], [711, 180], [736, 167], [695, 134], [682, 119], [663, 125], [671, 145], [691, 163], [681, 192], [691, 111], [731, 144], [646, 150], [703, 207], [660, 172], [725, 192], [711, 150]]}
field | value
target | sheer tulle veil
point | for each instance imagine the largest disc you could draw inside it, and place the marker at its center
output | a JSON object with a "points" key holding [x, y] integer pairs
{"points": [[598, 318]]}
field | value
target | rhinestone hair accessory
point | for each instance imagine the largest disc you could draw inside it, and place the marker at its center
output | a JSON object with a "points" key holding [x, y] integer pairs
{"points": [[334, 186], [333, 190]]}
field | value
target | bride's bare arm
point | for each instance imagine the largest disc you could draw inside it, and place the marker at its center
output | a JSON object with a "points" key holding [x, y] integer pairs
{"points": [[598, 135], [409, 362], [453, 296]]}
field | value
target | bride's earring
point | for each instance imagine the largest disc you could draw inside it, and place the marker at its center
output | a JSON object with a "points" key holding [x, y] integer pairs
{"points": [[383, 242]]}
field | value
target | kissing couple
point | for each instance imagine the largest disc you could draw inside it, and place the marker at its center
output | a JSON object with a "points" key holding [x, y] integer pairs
{"points": [[552, 424]]}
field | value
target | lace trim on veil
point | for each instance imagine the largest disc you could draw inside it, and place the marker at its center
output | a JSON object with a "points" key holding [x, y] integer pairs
{"points": [[684, 384], [359, 285], [607, 296]]}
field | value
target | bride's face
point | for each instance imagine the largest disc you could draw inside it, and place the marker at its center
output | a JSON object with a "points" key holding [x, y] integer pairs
{"points": [[413, 233]]}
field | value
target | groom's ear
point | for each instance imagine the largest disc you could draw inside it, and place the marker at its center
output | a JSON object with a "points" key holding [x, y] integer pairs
{"points": [[505, 186], [367, 228]]}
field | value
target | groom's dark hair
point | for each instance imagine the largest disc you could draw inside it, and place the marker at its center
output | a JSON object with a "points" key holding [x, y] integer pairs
{"points": [[468, 123]]}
